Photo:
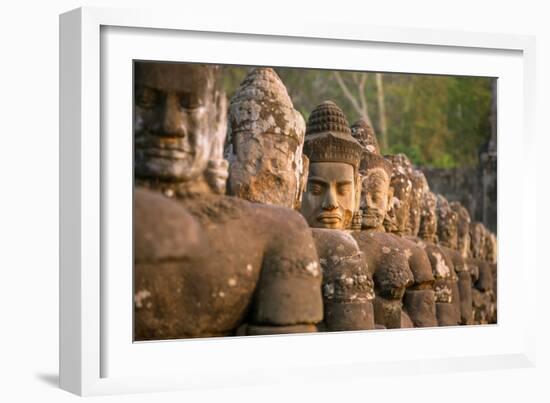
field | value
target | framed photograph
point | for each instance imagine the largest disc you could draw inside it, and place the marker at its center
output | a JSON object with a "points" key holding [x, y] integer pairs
{"points": [[242, 203]]}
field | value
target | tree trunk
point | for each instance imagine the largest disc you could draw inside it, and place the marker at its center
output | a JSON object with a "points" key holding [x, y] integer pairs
{"points": [[358, 101], [382, 112]]}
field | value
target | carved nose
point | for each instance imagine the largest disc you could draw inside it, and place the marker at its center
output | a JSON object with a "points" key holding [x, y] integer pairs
{"points": [[173, 122], [331, 201]]}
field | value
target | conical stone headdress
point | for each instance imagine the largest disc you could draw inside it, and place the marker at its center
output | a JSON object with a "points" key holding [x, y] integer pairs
{"points": [[364, 134], [265, 140], [328, 137]]}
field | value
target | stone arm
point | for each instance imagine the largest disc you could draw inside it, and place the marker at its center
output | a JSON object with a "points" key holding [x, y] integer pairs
{"points": [[493, 318], [391, 275], [444, 282], [484, 300], [465, 273], [347, 284], [419, 298], [166, 238], [288, 292], [452, 289]]}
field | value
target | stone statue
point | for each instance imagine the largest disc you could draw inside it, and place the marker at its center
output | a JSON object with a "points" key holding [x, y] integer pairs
{"points": [[477, 240], [463, 228], [392, 260], [328, 204], [419, 300], [376, 193], [447, 224], [483, 250], [265, 139], [397, 218], [442, 264], [428, 217], [490, 246], [267, 166], [447, 233], [419, 187], [387, 262], [491, 258], [470, 272], [206, 263], [422, 232]]}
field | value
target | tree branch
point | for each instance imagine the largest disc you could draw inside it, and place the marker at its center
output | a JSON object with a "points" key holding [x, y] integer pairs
{"points": [[347, 92], [382, 110], [363, 99]]}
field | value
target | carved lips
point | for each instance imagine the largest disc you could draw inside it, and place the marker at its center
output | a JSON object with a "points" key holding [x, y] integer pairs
{"points": [[166, 153], [164, 147], [329, 218]]}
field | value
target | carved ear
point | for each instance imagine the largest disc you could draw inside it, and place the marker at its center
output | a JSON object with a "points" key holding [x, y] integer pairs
{"points": [[358, 188], [220, 126], [302, 182], [216, 172], [390, 198]]}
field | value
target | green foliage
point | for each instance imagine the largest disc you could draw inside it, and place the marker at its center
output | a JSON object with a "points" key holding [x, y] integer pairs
{"points": [[412, 151], [438, 121]]}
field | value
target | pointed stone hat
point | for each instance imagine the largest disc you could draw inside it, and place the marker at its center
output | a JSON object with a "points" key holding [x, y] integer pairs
{"points": [[328, 137], [265, 141], [261, 104], [371, 157], [364, 134]]}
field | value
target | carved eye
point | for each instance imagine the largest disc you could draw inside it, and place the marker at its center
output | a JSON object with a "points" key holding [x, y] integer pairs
{"points": [[315, 188], [147, 98], [344, 189], [190, 101]]}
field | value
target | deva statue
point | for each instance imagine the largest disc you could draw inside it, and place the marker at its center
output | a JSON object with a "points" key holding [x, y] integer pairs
{"points": [[206, 263]]}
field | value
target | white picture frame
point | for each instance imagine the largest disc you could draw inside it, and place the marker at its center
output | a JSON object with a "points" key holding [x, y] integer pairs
{"points": [[96, 354]]}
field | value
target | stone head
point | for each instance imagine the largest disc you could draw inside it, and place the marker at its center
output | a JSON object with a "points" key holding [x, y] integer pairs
{"points": [[491, 247], [428, 217], [402, 162], [419, 187], [265, 142], [398, 214], [463, 228], [330, 198], [447, 221], [179, 122], [488, 244], [376, 193], [477, 240]]}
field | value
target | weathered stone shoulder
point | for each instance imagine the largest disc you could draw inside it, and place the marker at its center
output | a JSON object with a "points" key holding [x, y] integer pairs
{"points": [[164, 229], [388, 262]]}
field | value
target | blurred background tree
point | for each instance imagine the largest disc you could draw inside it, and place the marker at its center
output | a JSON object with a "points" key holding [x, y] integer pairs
{"points": [[438, 121]]}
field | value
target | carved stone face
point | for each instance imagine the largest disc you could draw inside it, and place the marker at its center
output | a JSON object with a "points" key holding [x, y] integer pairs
{"points": [[491, 247], [398, 214], [375, 198], [329, 199], [419, 187], [428, 217], [463, 228], [265, 142], [446, 224], [477, 240], [174, 120]]}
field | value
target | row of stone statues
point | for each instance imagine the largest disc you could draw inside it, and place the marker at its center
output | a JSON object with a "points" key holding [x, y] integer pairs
{"points": [[287, 227]]}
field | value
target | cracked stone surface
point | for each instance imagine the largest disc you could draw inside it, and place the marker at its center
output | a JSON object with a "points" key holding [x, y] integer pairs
{"points": [[265, 142]]}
